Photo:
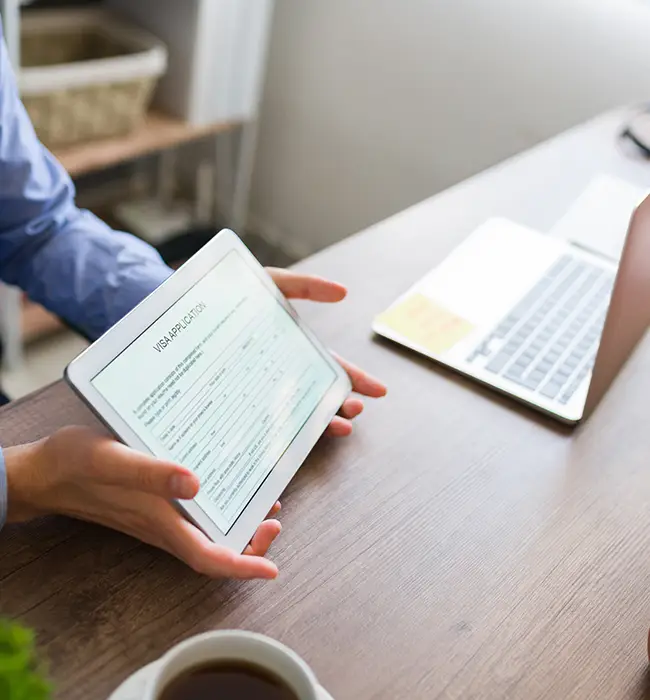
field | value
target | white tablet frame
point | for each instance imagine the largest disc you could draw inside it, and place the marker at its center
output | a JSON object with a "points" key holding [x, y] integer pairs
{"points": [[82, 370]]}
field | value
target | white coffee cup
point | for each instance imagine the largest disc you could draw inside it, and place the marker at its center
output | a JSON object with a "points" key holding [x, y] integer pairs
{"points": [[236, 645]]}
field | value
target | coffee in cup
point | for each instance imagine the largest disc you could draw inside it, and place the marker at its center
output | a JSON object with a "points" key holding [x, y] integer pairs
{"points": [[228, 679], [232, 664]]}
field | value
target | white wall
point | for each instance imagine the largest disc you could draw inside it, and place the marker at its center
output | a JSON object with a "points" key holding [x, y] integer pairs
{"points": [[372, 105]]}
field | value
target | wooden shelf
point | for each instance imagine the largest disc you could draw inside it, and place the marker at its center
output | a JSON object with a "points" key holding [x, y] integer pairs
{"points": [[157, 133]]}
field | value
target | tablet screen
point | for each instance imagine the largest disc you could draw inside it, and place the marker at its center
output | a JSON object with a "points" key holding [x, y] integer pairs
{"points": [[222, 383]]}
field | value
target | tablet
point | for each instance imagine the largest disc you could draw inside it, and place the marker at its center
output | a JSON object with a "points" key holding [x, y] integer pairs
{"points": [[214, 370]]}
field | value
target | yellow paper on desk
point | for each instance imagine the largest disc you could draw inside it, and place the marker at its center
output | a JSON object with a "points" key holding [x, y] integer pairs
{"points": [[425, 323]]}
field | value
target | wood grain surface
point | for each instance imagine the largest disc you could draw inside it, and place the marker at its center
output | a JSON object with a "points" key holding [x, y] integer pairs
{"points": [[457, 546]]}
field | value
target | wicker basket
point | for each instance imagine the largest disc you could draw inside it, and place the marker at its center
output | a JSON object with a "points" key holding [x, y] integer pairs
{"points": [[86, 75]]}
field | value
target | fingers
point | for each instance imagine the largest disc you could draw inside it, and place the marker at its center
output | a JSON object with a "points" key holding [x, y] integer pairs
{"points": [[275, 510], [192, 546], [263, 538], [296, 286], [351, 408], [362, 382], [115, 464], [339, 427], [245, 567]]}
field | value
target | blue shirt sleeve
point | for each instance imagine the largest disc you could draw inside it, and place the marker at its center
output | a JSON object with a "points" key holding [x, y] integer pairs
{"points": [[64, 258]]}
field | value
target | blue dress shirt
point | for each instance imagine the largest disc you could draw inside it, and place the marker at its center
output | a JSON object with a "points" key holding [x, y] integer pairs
{"points": [[63, 258]]}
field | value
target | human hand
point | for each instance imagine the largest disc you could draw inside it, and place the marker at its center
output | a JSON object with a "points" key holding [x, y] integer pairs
{"points": [[298, 286], [82, 474]]}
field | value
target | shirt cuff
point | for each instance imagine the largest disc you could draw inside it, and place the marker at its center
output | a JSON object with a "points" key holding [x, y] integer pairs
{"points": [[3, 490]]}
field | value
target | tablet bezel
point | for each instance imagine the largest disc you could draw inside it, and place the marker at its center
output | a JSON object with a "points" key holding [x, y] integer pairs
{"points": [[83, 369]]}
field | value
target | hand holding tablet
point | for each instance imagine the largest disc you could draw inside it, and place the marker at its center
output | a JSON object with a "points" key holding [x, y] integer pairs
{"points": [[110, 494]]}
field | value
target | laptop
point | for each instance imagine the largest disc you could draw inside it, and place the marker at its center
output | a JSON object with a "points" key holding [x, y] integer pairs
{"points": [[539, 319]]}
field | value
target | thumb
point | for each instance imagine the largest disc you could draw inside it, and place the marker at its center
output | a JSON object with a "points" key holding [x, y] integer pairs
{"points": [[115, 464], [298, 286]]}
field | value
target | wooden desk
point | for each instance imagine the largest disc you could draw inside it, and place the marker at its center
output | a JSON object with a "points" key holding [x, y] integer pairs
{"points": [[456, 547]]}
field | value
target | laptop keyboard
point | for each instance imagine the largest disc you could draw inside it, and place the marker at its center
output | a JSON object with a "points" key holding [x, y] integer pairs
{"points": [[548, 342]]}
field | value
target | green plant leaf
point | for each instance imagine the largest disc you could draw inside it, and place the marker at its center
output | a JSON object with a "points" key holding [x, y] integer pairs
{"points": [[21, 676]]}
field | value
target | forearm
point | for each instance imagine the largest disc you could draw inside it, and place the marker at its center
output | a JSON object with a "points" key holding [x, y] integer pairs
{"points": [[87, 273]]}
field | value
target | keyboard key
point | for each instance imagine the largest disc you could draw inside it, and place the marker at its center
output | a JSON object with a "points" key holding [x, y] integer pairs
{"points": [[563, 373], [533, 380], [515, 374], [567, 396], [497, 364], [537, 375], [484, 348], [571, 363], [568, 393], [551, 389], [523, 308], [504, 328], [526, 382], [526, 360], [560, 265], [552, 356]]}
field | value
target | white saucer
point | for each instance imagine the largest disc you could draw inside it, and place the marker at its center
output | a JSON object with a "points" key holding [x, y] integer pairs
{"points": [[133, 687]]}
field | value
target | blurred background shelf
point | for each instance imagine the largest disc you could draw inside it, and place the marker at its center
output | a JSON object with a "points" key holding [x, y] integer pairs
{"points": [[158, 132]]}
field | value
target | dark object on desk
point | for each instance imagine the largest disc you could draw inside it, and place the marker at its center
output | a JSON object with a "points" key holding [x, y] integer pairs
{"points": [[185, 244], [638, 132]]}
